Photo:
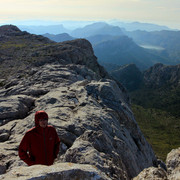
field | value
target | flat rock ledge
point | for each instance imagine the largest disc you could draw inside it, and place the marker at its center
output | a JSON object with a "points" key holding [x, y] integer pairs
{"points": [[59, 171]]}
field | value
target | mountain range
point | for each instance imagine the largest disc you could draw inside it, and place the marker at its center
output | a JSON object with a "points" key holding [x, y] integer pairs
{"points": [[96, 29], [100, 138], [167, 41], [72, 25], [133, 26], [140, 47], [123, 50]]}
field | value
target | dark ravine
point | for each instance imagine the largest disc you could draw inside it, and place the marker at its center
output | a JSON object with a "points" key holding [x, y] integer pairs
{"points": [[100, 138]]}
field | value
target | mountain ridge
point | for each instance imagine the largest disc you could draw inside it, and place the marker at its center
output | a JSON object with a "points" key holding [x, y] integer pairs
{"points": [[71, 25], [123, 50], [169, 40], [133, 53], [59, 37], [96, 28]]}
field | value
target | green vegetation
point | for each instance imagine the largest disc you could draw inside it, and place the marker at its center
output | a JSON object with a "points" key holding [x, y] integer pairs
{"points": [[11, 44], [164, 98], [161, 129], [19, 52], [157, 111]]}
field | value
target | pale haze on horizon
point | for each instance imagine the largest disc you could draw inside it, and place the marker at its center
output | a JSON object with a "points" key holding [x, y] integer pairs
{"points": [[162, 12]]}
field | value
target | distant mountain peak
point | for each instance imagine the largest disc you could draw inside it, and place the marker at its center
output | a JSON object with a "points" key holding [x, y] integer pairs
{"points": [[133, 26], [96, 29], [59, 37]]}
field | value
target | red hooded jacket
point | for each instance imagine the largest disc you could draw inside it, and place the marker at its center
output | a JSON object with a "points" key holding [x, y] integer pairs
{"points": [[39, 145]]}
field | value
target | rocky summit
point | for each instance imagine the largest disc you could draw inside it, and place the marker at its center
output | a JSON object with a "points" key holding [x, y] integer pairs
{"points": [[100, 138]]}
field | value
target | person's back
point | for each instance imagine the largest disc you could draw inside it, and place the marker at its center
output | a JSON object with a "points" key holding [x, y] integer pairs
{"points": [[40, 145]]}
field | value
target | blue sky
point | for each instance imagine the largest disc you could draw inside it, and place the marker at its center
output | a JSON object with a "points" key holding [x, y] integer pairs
{"points": [[163, 12]]}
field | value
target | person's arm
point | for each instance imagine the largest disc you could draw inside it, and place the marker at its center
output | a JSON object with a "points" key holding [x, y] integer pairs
{"points": [[56, 145], [23, 148]]}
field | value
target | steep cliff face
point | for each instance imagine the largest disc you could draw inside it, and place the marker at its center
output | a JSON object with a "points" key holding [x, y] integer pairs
{"points": [[91, 113], [162, 75]]}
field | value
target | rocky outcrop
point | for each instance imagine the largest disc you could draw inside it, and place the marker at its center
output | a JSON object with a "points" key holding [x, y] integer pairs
{"points": [[161, 75], [9, 30], [173, 164], [90, 112], [152, 173], [61, 171], [160, 173]]}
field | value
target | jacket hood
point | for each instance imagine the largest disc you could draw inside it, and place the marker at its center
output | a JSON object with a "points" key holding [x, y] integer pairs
{"points": [[40, 115]]}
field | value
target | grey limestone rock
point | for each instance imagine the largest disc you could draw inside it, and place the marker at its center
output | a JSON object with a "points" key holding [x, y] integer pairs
{"points": [[173, 164], [161, 173], [14, 107], [152, 173], [61, 171]]}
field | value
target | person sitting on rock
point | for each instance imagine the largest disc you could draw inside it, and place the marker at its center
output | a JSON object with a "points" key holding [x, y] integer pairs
{"points": [[40, 145]]}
